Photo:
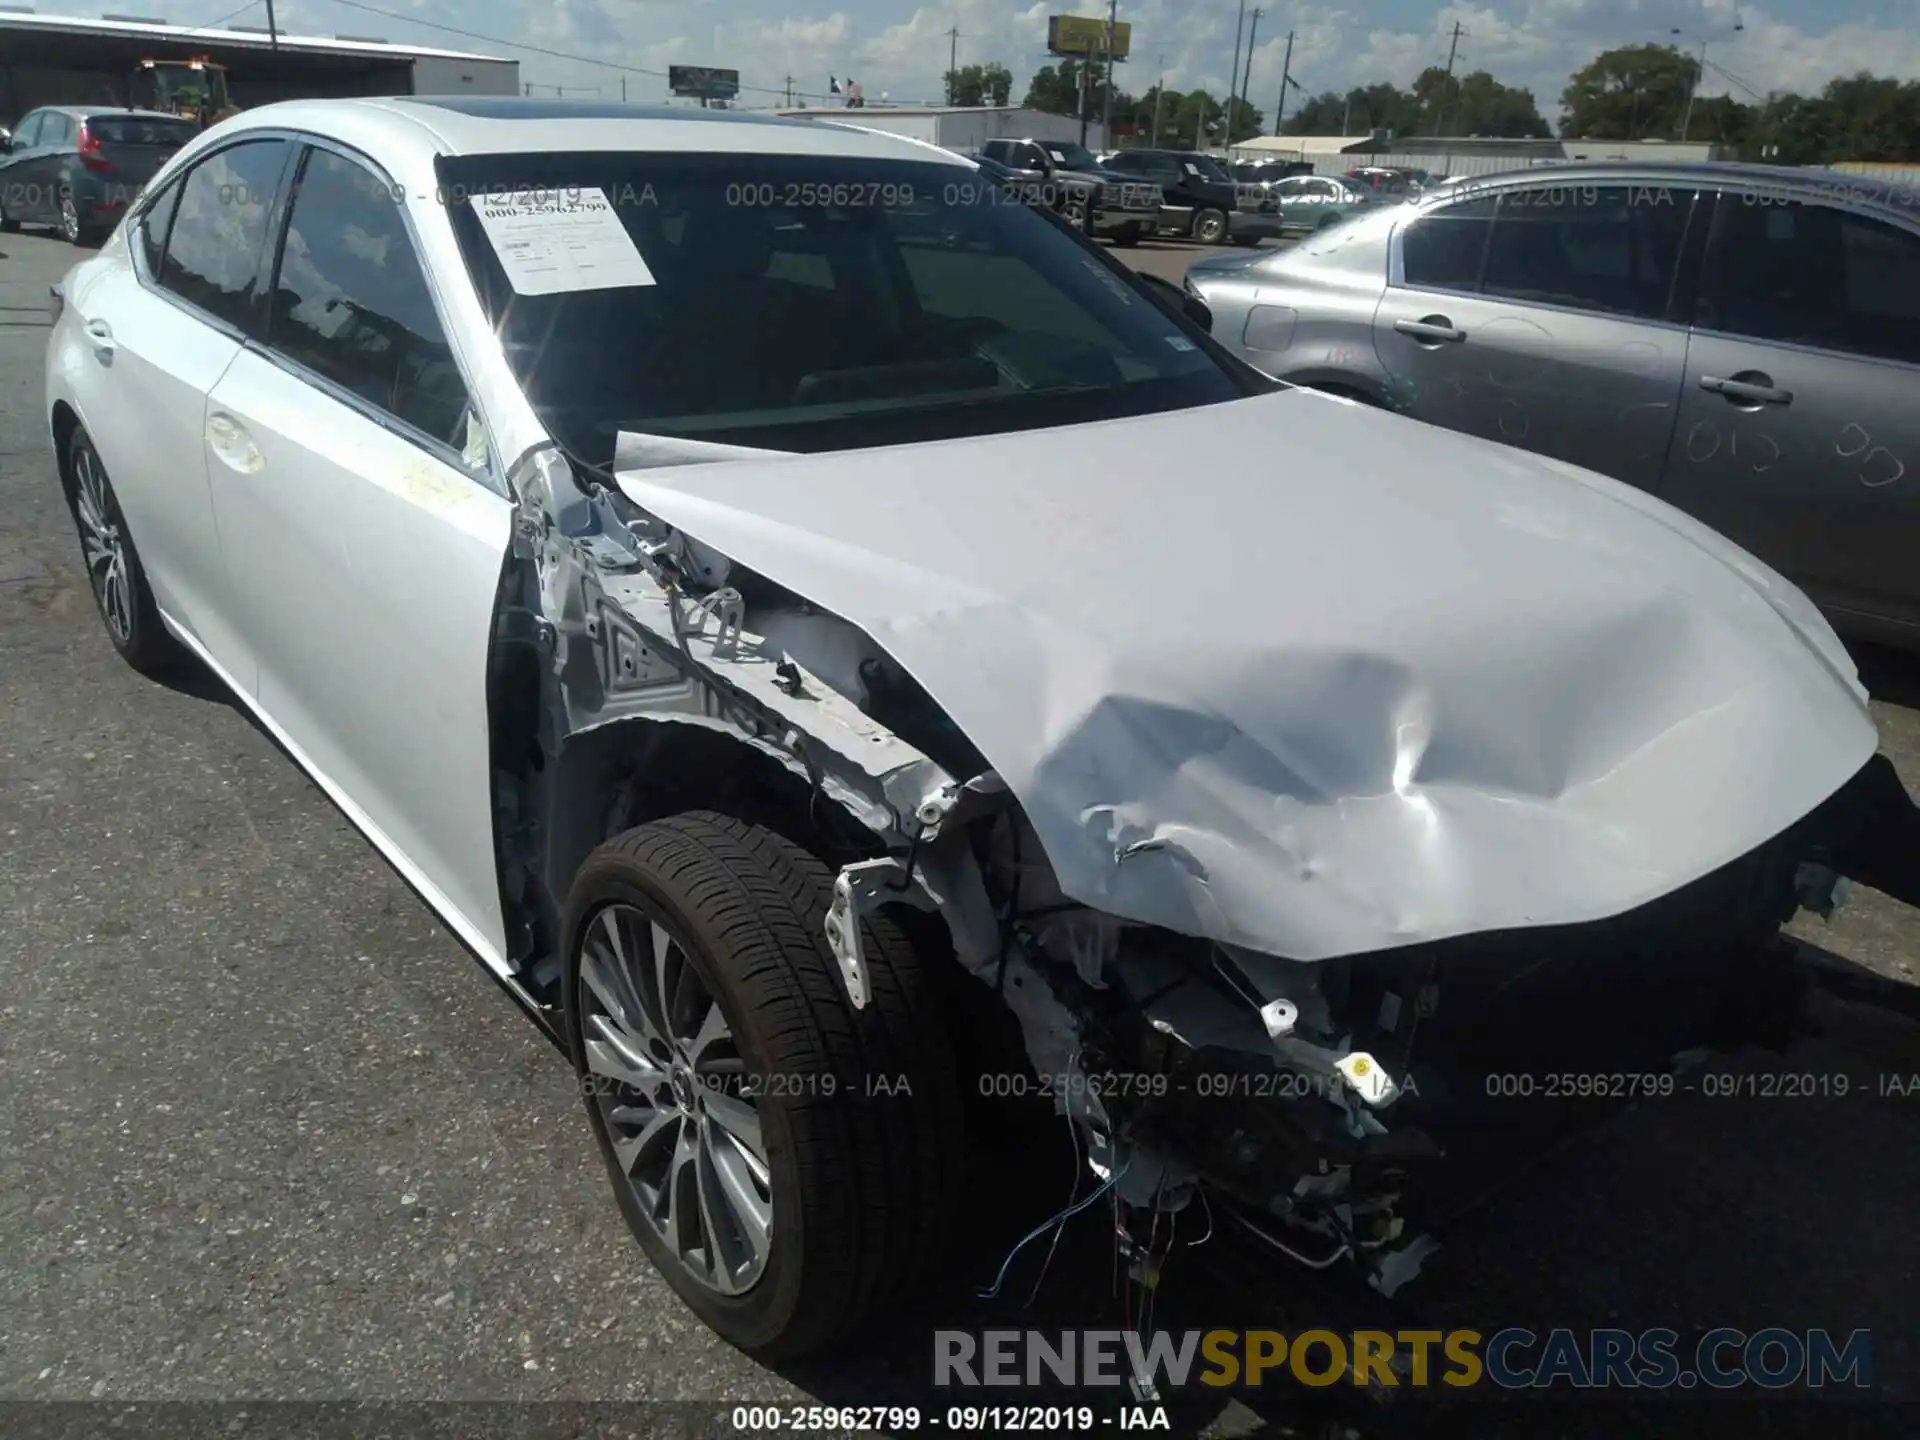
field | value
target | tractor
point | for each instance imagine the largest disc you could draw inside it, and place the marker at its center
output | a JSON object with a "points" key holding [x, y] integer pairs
{"points": [[192, 89]]}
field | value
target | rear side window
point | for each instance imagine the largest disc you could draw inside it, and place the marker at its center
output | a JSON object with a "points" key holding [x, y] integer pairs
{"points": [[55, 128], [1444, 250], [138, 130], [1809, 274], [1611, 249], [219, 229], [352, 304]]}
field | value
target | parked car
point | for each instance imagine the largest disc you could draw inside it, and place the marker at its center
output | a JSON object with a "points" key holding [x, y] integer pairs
{"points": [[78, 168], [1742, 341], [754, 583], [1067, 177], [1314, 202], [1388, 182], [1268, 173], [1202, 201]]}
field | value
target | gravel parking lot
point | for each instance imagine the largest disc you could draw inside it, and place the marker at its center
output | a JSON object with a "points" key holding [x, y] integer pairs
{"points": [[268, 1133]]}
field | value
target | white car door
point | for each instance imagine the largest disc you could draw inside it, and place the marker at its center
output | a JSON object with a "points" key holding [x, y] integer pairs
{"points": [[366, 552], [161, 322]]}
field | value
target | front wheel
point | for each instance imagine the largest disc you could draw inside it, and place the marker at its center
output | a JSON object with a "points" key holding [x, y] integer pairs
{"points": [[788, 1162]]}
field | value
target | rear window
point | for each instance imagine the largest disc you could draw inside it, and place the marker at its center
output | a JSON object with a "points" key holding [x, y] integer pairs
{"points": [[139, 130], [806, 304]]}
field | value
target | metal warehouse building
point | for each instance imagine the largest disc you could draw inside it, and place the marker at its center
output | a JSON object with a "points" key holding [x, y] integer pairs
{"points": [[65, 60]]}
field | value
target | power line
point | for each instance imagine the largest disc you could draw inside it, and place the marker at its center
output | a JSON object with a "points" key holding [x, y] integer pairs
{"points": [[216, 24]]}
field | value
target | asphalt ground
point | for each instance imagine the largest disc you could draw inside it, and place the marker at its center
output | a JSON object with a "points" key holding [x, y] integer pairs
{"points": [[268, 1133]]}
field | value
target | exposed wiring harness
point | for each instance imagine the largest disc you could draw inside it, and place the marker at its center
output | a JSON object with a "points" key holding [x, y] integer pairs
{"points": [[993, 1291]]}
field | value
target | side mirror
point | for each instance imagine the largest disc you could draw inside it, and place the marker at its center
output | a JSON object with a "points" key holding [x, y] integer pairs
{"points": [[6, 141], [1175, 298]]}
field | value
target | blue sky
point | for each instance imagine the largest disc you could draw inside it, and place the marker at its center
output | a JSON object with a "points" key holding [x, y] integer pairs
{"points": [[900, 48]]}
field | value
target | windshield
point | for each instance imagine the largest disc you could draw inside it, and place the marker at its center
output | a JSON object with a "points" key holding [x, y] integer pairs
{"points": [[804, 303], [1208, 167], [1072, 157]]}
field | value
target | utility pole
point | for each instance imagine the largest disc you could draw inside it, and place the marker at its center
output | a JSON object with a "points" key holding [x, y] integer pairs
{"points": [[1086, 66], [789, 92], [1106, 95], [953, 62], [1699, 74], [1233, 75], [1159, 99], [1346, 117], [273, 30], [1446, 86], [1286, 75], [1246, 81]]}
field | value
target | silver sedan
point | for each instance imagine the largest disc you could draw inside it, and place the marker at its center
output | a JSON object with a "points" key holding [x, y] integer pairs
{"points": [[1743, 341]]}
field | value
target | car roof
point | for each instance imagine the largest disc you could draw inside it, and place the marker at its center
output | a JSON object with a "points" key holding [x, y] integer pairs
{"points": [[1899, 194], [423, 126], [103, 112]]}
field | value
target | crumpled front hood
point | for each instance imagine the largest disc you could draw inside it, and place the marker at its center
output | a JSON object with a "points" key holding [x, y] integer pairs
{"points": [[1316, 679]]}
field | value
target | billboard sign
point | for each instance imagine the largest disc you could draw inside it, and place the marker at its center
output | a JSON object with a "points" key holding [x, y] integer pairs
{"points": [[703, 82], [1087, 35]]}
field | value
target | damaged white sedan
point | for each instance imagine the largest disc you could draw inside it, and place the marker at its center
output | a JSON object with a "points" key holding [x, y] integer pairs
{"points": [[780, 599]]}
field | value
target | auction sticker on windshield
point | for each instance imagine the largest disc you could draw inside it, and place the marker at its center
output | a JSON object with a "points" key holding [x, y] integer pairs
{"points": [[553, 241]]}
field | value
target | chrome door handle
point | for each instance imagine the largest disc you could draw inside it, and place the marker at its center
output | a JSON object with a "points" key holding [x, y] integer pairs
{"points": [[227, 438], [1747, 388], [1433, 330], [101, 334]]}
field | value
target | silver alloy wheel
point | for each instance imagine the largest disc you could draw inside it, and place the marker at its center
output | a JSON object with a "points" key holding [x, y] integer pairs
{"points": [[69, 219], [104, 546], [669, 1079]]}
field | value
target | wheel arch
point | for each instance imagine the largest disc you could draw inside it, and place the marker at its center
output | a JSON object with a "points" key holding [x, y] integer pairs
{"points": [[64, 422]]}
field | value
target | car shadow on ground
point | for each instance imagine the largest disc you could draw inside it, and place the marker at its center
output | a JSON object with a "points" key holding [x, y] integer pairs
{"points": [[1765, 1205]]}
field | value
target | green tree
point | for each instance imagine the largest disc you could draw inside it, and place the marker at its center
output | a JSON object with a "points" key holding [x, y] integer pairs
{"points": [[988, 84], [1637, 92], [1361, 111], [1477, 104]]}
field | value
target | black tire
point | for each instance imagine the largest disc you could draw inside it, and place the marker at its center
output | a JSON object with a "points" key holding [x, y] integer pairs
{"points": [[1210, 226], [862, 1184], [141, 638]]}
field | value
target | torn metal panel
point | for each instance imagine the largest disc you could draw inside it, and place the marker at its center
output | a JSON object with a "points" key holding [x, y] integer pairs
{"points": [[1424, 687], [626, 641]]}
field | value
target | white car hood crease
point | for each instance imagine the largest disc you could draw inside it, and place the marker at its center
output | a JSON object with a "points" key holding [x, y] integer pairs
{"points": [[1316, 679]]}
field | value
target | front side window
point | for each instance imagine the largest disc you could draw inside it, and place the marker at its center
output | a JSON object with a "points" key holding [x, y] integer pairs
{"points": [[1612, 249], [28, 135], [1810, 274], [217, 241], [351, 303], [809, 304], [1443, 249]]}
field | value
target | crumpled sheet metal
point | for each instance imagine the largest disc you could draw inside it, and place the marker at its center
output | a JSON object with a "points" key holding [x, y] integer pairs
{"points": [[1313, 679]]}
